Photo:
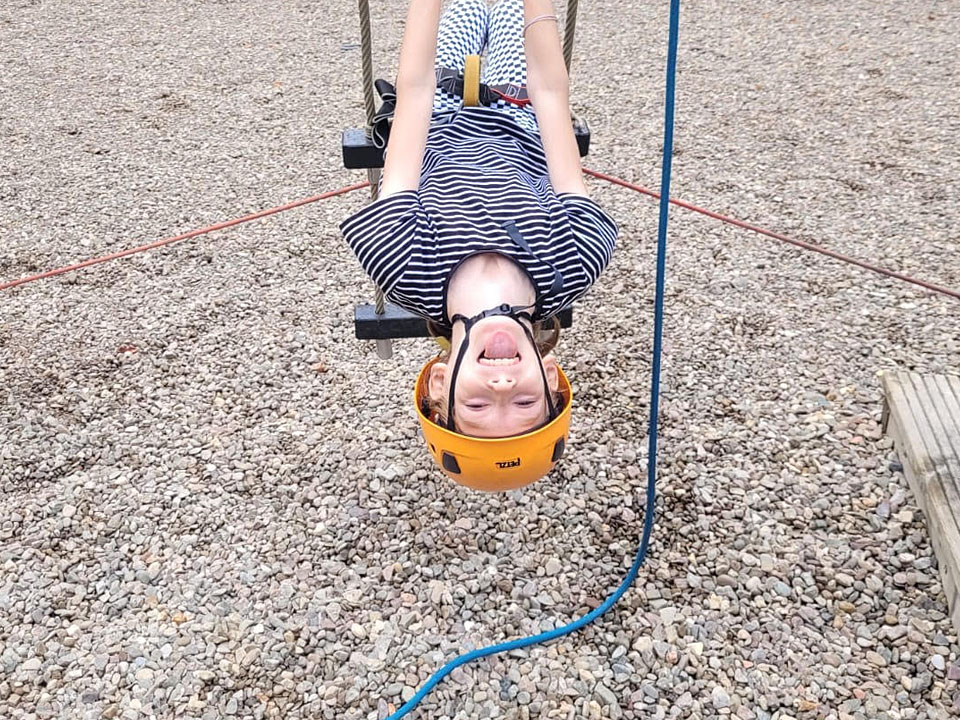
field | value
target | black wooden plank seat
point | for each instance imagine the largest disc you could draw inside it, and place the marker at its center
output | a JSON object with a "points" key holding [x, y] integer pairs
{"points": [[395, 322], [359, 152]]}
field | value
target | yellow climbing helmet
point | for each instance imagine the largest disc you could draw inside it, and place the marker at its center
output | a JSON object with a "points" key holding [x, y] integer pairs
{"points": [[495, 464]]}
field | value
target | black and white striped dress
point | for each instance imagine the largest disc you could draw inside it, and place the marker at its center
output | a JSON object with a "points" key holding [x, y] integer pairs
{"points": [[484, 187]]}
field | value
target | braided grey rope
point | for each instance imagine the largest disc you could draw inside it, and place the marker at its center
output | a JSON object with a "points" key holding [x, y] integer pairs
{"points": [[570, 32], [366, 48], [384, 347], [374, 175]]}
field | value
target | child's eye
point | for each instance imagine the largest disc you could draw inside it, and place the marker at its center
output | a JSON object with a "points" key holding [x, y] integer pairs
{"points": [[475, 406], [526, 403]]}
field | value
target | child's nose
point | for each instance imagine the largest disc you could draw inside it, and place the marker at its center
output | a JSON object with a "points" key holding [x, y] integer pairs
{"points": [[502, 382]]}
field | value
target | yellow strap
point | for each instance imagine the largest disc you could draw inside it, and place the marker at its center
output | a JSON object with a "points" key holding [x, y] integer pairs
{"points": [[471, 81]]}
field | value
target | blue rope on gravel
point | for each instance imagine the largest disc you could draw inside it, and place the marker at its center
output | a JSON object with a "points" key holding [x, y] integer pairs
{"points": [[654, 409]]}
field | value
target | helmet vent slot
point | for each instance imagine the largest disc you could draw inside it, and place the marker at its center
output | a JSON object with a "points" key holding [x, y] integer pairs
{"points": [[558, 450], [450, 463]]}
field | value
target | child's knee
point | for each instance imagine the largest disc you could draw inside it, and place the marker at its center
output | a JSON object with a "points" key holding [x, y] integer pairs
{"points": [[507, 15], [469, 7], [472, 15], [513, 7]]}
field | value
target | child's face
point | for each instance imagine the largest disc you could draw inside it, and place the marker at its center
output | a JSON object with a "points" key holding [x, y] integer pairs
{"points": [[499, 390]]}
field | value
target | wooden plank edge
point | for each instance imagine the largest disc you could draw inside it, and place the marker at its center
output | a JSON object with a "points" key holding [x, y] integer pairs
{"points": [[951, 402], [930, 407], [900, 418], [944, 537]]}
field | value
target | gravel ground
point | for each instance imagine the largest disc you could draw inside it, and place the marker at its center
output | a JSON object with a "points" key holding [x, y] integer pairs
{"points": [[214, 503]]}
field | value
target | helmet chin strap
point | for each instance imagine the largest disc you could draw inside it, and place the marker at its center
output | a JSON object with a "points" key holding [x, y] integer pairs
{"points": [[517, 313]]}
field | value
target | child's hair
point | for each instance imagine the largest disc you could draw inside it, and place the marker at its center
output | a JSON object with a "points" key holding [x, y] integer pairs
{"points": [[545, 334]]}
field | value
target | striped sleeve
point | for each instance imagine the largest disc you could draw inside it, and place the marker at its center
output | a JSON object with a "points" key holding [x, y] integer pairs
{"points": [[594, 232], [384, 234]]}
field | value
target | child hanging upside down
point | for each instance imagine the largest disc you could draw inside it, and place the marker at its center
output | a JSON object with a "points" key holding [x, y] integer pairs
{"points": [[483, 226]]}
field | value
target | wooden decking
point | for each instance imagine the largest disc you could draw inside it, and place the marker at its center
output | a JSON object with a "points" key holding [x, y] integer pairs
{"points": [[922, 415]]}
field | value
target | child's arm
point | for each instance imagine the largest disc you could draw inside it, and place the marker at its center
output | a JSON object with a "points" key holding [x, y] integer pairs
{"points": [[549, 89], [416, 83]]}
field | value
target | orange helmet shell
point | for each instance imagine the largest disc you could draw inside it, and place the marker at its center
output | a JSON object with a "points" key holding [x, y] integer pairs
{"points": [[495, 464]]}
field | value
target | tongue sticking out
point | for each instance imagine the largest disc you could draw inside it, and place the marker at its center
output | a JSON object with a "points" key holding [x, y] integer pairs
{"points": [[500, 345]]}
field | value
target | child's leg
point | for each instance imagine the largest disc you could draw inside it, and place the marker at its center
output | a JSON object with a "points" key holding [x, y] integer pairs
{"points": [[506, 61], [462, 32]]}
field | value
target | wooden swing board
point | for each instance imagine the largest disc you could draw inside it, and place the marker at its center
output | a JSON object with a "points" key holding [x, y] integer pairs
{"points": [[395, 323], [359, 151], [922, 415]]}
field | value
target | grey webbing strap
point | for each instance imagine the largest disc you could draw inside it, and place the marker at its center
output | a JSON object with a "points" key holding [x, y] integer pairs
{"points": [[511, 227]]}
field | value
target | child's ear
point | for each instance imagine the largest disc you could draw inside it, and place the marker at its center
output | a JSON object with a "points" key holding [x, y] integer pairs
{"points": [[553, 375], [438, 375]]}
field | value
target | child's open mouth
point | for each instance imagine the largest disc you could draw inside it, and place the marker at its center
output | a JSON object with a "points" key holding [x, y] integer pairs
{"points": [[499, 349], [483, 360]]}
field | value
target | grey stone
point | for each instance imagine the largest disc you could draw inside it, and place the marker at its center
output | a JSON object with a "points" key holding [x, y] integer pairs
{"points": [[719, 697]]}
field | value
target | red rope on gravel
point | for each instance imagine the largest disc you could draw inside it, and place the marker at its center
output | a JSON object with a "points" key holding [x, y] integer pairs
{"points": [[185, 236], [778, 236], [592, 173]]}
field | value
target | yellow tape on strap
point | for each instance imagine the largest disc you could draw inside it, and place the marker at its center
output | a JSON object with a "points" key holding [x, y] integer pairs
{"points": [[471, 81]]}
